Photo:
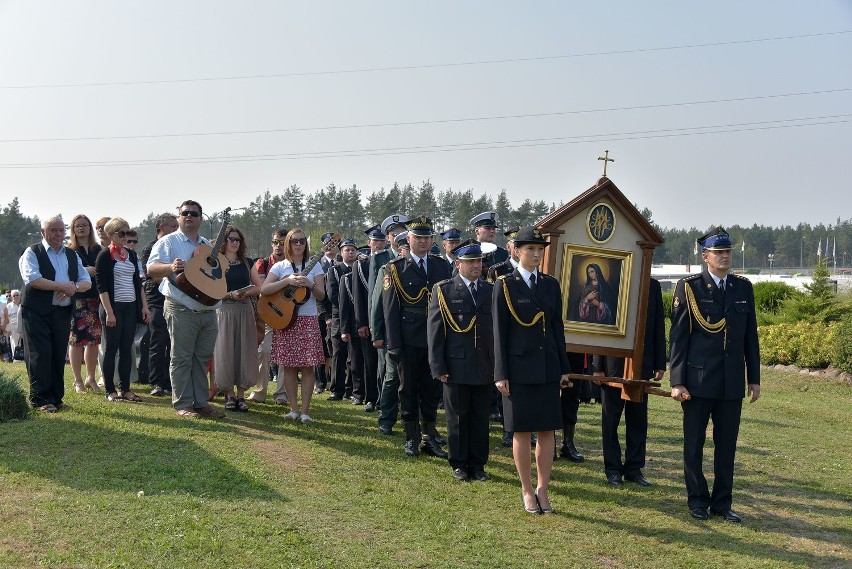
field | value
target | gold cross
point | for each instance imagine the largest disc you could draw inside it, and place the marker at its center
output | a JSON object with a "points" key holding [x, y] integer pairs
{"points": [[606, 159]]}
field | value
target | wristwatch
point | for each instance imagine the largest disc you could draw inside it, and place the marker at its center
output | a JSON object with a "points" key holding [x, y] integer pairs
{"points": [[76, 286]]}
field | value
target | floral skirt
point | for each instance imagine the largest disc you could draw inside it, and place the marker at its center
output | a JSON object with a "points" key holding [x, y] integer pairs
{"points": [[85, 323], [298, 346]]}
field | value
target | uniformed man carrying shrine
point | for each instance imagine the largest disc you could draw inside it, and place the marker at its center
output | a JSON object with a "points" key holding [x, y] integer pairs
{"points": [[484, 226], [461, 355], [714, 352], [406, 287]]}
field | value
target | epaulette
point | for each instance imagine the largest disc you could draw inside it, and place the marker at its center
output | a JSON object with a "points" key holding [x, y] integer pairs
{"points": [[738, 276], [397, 260], [692, 277], [443, 282], [546, 276], [507, 275]]}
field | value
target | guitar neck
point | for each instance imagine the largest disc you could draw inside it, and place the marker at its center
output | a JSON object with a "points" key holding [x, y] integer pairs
{"points": [[226, 219]]}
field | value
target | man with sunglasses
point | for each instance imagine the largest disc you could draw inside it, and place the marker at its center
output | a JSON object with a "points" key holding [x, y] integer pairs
{"points": [[192, 325], [261, 268], [714, 353], [159, 346]]}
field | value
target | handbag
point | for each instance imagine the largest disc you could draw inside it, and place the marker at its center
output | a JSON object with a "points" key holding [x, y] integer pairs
{"points": [[19, 353]]}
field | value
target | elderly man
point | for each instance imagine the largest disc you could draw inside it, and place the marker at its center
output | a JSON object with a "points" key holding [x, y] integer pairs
{"points": [[714, 352], [52, 274], [192, 325]]}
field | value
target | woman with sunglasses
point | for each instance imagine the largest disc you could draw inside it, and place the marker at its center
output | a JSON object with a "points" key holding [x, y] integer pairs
{"points": [[299, 347], [85, 324], [124, 303], [235, 360]]}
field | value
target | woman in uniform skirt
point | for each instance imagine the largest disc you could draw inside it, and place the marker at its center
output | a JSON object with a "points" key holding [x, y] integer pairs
{"points": [[530, 363]]}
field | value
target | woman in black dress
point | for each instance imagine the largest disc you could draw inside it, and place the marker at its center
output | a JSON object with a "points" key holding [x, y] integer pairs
{"points": [[530, 363]]}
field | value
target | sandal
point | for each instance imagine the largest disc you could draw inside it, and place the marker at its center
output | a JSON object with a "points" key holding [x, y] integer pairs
{"points": [[114, 397], [93, 385], [79, 387], [230, 404], [130, 396], [292, 415], [242, 406], [306, 419]]}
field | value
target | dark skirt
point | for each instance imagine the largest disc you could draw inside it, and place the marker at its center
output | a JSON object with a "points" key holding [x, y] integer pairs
{"points": [[85, 323], [532, 407]]}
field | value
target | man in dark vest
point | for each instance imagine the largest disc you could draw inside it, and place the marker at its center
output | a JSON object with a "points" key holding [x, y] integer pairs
{"points": [[52, 275], [714, 353], [361, 293], [341, 385]]}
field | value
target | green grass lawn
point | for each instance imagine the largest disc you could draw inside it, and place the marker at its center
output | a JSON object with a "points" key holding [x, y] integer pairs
{"points": [[254, 491]]}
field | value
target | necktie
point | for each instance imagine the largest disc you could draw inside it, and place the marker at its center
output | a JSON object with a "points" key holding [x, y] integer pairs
{"points": [[422, 265], [532, 282], [722, 288], [473, 291]]}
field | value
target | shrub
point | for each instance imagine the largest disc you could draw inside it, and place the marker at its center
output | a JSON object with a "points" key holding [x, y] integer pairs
{"points": [[769, 295], [843, 345], [13, 400], [668, 297], [805, 344]]}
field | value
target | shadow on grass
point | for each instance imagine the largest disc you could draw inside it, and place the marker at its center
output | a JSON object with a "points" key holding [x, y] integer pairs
{"points": [[93, 458]]}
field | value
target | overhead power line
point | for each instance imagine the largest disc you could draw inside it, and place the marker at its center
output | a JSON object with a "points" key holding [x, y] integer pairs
{"points": [[581, 139], [426, 122], [423, 66]]}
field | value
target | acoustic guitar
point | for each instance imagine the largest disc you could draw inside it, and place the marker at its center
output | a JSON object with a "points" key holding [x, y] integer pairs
{"points": [[281, 308], [203, 276]]}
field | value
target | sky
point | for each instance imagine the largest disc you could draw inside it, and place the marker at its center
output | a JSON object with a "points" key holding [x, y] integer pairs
{"points": [[161, 101]]}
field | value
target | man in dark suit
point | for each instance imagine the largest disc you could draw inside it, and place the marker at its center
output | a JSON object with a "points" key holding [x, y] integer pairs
{"points": [[349, 335], [340, 387], [405, 299], [324, 319], [714, 348], [361, 301], [387, 371], [484, 226], [461, 355], [505, 267], [635, 413]]}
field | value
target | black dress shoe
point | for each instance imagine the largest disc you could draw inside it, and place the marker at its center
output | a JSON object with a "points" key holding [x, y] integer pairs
{"points": [[507, 439], [357, 401], [386, 429], [638, 479], [479, 473], [334, 397], [460, 474], [614, 479], [729, 515], [698, 513], [411, 448], [570, 452], [370, 407]]}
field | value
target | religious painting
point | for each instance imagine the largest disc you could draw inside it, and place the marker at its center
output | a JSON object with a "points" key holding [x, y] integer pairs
{"points": [[595, 289]]}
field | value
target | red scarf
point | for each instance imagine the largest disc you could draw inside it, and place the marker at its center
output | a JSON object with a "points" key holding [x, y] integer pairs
{"points": [[118, 253]]}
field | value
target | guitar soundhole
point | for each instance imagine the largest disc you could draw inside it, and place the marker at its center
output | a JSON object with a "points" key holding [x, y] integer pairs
{"points": [[212, 261]]}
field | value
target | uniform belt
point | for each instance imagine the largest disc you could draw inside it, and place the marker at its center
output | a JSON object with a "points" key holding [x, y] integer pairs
{"points": [[416, 310]]}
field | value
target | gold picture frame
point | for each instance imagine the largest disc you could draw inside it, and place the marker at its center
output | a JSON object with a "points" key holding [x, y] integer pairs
{"points": [[604, 310]]}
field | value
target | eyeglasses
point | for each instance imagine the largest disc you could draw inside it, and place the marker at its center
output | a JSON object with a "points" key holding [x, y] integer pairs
{"points": [[132, 241], [190, 212], [99, 227], [121, 233], [234, 239], [299, 241], [277, 241]]}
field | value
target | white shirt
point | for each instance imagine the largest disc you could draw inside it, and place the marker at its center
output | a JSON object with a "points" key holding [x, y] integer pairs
{"points": [[526, 274], [284, 268], [177, 246]]}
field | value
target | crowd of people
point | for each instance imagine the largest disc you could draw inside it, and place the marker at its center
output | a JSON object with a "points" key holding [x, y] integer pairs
{"points": [[393, 327]]}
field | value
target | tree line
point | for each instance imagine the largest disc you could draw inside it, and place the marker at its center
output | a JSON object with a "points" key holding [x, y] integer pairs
{"points": [[349, 212]]}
